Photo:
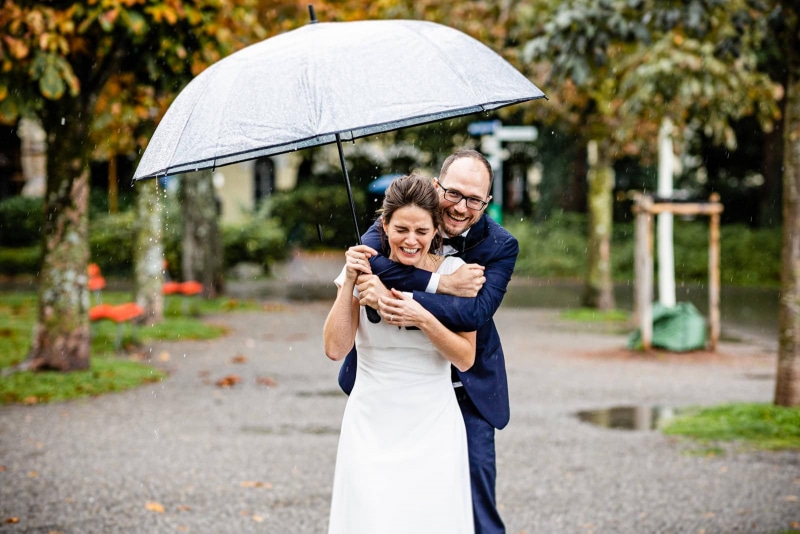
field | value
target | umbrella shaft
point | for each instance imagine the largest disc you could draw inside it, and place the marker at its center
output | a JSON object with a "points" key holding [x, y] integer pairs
{"points": [[349, 190]]}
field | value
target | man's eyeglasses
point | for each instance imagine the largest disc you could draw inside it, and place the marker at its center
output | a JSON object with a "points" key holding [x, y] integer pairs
{"points": [[455, 197]]}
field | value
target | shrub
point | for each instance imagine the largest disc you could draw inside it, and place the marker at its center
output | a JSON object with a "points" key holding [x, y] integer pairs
{"points": [[20, 221], [301, 210], [556, 248], [258, 240], [20, 260], [111, 240]]}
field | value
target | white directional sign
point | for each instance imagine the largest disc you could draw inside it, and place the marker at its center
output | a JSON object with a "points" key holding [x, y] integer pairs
{"points": [[516, 133]]}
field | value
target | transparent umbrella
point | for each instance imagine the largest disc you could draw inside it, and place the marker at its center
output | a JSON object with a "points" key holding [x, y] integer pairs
{"points": [[328, 83]]}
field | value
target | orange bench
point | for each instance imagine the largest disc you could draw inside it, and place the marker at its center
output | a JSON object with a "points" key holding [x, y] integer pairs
{"points": [[189, 288], [96, 281], [119, 314]]}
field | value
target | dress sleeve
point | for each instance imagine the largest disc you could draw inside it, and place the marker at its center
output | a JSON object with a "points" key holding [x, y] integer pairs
{"points": [[339, 281]]}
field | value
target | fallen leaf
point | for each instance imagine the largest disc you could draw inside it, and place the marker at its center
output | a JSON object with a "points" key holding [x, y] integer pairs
{"points": [[239, 358], [183, 508], [266, 381], [258, 519], [30, 400], [795, 524], [164, 356], [255, 484], [154, 507], [33, 474], [11, 520], [792, 498], [2, 468], [183, 528], [228, 381]]}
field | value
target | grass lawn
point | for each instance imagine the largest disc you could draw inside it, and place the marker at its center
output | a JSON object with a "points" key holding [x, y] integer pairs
{"points": [[759, 426], [109, 371]]}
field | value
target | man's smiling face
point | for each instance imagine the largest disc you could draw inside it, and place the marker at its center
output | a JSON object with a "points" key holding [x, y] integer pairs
{"points": [[469, 177]]}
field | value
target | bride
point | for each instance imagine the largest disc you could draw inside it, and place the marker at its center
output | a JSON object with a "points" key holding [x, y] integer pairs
{"points": [[401, 464]]}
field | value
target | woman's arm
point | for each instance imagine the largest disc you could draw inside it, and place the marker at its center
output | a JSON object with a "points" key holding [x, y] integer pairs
{"points": [[339, 332], [457, 347]]}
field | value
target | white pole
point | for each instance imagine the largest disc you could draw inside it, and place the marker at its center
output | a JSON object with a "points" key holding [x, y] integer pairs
{"points": [[666, 256]]}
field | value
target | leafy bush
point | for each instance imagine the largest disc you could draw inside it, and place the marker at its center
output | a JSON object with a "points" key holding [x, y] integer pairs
{"points": [[301, 210], [111, 241], [750, 257], [20, 260], [20, 221], [556, 248], [257, 241]]}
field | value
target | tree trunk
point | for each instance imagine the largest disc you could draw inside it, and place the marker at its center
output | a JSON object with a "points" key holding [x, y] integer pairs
{"points": [[202, 242], [787, 386], [149, 252], [599, 290], [61, 335]]}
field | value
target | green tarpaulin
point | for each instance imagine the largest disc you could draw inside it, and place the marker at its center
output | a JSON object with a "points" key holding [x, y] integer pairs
{"points": [[680, 328]]}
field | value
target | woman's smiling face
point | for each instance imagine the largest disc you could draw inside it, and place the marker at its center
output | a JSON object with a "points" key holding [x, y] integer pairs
{"points": [[410, 232]]}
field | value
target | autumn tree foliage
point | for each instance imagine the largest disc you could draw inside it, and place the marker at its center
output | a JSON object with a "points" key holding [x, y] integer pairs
{"points": [[615, 70], [98, 74]]}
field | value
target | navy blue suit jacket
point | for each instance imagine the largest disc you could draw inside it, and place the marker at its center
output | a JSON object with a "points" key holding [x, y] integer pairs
{"points": [[487, 244]]}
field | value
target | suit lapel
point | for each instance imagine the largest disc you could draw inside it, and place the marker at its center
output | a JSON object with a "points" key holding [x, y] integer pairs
{"points": [[476, 235]]}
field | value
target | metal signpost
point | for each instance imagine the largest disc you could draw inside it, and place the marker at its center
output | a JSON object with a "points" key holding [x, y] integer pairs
{"points": [[493, 134]]}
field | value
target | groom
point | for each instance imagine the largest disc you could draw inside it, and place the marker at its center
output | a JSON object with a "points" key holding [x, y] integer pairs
{"points": [[490, 252]]}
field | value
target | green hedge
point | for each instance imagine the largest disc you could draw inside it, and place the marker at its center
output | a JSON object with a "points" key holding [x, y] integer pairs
{"points": [[20, 260], [301, 210], [112, 239], [20, 221], [256, 241], [556, 248]]}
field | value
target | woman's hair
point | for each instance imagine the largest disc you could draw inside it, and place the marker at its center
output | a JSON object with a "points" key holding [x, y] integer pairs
{"points": [[413, 190]]}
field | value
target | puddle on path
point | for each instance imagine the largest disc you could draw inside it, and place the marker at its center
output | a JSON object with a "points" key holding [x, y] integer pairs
{"points": [[628, 417]]}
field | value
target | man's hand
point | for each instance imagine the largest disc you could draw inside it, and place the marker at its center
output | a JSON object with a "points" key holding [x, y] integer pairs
{"points": [[370, 289], [465, 282]]}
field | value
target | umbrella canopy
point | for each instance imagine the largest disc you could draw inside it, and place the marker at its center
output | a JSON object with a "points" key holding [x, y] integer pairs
{"points": [[327, 82]]}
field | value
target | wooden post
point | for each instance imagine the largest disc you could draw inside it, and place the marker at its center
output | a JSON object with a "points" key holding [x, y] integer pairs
{"points": [[713, 276], [645, 210], [644, 269]]}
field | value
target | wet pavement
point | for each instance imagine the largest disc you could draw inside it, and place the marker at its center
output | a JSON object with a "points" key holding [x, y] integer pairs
{"points": [[188, 455]]}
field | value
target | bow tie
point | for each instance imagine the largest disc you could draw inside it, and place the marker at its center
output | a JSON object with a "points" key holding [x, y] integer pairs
{"points": [[456, 242]]}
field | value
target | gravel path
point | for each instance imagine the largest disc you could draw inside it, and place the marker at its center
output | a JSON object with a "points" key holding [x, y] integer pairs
{"points": [[185, 455]]}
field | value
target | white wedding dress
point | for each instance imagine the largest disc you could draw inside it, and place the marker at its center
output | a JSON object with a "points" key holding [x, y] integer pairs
{"points": [[402, 464]]}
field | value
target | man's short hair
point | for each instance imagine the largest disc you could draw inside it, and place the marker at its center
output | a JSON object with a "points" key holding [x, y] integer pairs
{"points": [[467, 153]]}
